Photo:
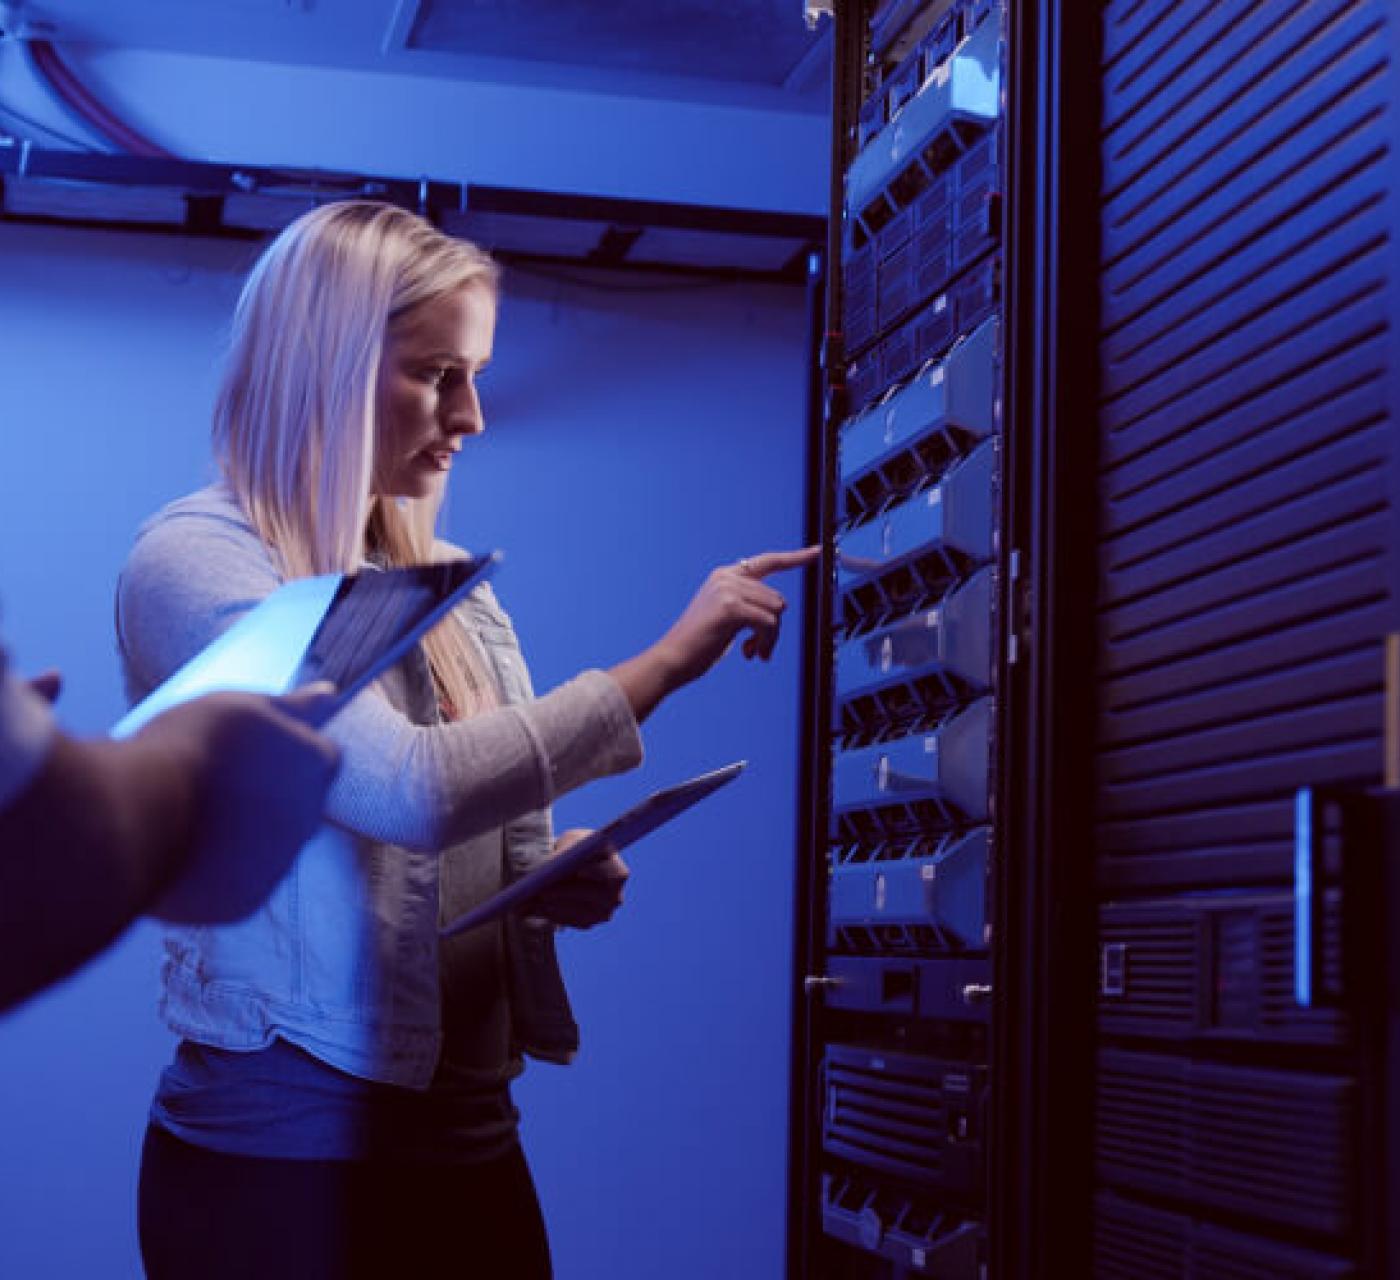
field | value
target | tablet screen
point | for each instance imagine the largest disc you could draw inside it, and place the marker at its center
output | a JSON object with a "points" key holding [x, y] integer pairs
{"points": [[346, 628], [656, 810]]}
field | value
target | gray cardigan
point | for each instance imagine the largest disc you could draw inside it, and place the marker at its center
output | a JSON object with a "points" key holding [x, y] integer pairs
{"points": [[344, 959]]}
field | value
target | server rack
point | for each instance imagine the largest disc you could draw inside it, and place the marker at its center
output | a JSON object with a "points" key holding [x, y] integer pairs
{"points": [[893, 1076], [1161, 639]]}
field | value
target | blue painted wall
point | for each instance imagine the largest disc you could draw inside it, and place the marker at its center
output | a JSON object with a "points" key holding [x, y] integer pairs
{"points": [[636, 436]]}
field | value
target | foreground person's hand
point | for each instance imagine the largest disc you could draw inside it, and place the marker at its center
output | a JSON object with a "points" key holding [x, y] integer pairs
{"points": [[260, 774]]}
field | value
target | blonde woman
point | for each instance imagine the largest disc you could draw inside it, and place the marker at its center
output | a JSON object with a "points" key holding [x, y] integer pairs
{"points": [[339, 1103]]}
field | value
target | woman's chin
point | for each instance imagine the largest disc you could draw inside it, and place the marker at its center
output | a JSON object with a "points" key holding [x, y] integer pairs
{"points": [[427, 484]]}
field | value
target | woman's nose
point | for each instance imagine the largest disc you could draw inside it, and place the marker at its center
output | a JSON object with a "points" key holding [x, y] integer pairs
{"points": [[463, 416]]}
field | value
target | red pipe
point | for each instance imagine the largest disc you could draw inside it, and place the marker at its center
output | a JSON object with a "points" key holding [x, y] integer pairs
{"points": [[61, 81]]}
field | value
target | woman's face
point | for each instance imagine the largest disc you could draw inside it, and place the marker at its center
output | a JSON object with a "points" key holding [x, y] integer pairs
{"points": [[427, 390]]}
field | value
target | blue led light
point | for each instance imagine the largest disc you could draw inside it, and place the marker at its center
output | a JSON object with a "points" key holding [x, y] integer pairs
{"points": [[1302, 897]]}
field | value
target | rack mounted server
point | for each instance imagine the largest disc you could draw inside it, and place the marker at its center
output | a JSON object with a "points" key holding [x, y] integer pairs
{"points": [[901, 1070]]}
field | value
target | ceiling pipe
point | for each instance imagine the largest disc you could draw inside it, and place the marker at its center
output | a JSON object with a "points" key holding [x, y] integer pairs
{"points": [[66, 86]]}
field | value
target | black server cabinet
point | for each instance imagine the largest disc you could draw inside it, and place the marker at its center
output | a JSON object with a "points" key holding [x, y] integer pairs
{"points": [[1102, 901], [1243, 488]]}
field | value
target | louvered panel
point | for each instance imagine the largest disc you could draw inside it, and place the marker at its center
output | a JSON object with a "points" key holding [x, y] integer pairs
{"points": [[1323, 506], [1121, 1253], [1172, 304], [1133, 1240], [1182, 299], [1171, 88], [1243, 447], [1268, 824], [1273, 654], [1344, 307], [1226, 1255], [1314, 724], [1330, 584], [1278, 1002], [1219, 139], [1328, 392], [1213, 966], [1274, 1145], [1293, 688], [1149, 979], [1254, 581], [1300, 264], [1133, 31], [1211, 499], [1326, 146], [1265, 773]]}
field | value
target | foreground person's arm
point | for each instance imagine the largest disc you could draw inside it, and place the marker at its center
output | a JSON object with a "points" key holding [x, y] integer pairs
{"points": [[194, 819]]}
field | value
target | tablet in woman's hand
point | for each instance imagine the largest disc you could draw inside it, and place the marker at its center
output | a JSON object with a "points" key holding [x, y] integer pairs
{"points": [[658, 808]]}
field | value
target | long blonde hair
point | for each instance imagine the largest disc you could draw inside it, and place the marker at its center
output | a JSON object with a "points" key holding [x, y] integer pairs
{"points": [[294, 419]]}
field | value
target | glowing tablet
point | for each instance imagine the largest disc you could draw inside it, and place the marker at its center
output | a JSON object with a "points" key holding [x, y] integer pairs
{"points": [[658, 808], [342, 627]]}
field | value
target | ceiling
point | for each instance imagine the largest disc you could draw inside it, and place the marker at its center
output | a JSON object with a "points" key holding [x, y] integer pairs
{"points": [[745, 52]]}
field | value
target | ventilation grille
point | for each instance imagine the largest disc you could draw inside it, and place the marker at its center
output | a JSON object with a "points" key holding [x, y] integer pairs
{"points": [[1275, 1145], [1140, 1242], [1243, 424], [917, 1118], [1216, 966], [1149, 976]]}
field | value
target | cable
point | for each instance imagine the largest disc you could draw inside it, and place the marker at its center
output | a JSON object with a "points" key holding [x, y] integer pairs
{"points": [[73, 114], [70, 90], [28, 122]]}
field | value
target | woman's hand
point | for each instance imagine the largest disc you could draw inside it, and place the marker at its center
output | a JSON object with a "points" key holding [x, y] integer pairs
{"points": [[733, 598], [591, 895]]}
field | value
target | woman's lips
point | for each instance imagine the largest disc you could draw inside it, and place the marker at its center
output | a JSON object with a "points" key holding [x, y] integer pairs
{"points": [[438, 459]]}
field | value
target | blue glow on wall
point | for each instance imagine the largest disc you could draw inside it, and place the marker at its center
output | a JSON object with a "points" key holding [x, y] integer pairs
{"points": [[637, 436]]}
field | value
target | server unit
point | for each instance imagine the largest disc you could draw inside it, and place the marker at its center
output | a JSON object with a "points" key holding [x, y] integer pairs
{"points": [[1102, 928]]}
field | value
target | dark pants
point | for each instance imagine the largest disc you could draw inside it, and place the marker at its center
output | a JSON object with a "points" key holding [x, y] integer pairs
{"points": [[204, 1215]]}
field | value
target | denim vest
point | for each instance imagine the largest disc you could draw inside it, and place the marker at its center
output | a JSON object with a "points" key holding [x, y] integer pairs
{"points": [[342, 960]]}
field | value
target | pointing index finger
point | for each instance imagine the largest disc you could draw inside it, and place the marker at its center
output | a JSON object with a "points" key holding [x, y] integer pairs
{"points": [[760, 566]]}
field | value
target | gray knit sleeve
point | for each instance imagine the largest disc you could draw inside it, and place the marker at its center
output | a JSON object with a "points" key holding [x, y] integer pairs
{"points": [[192, 574], [427, 787]]}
